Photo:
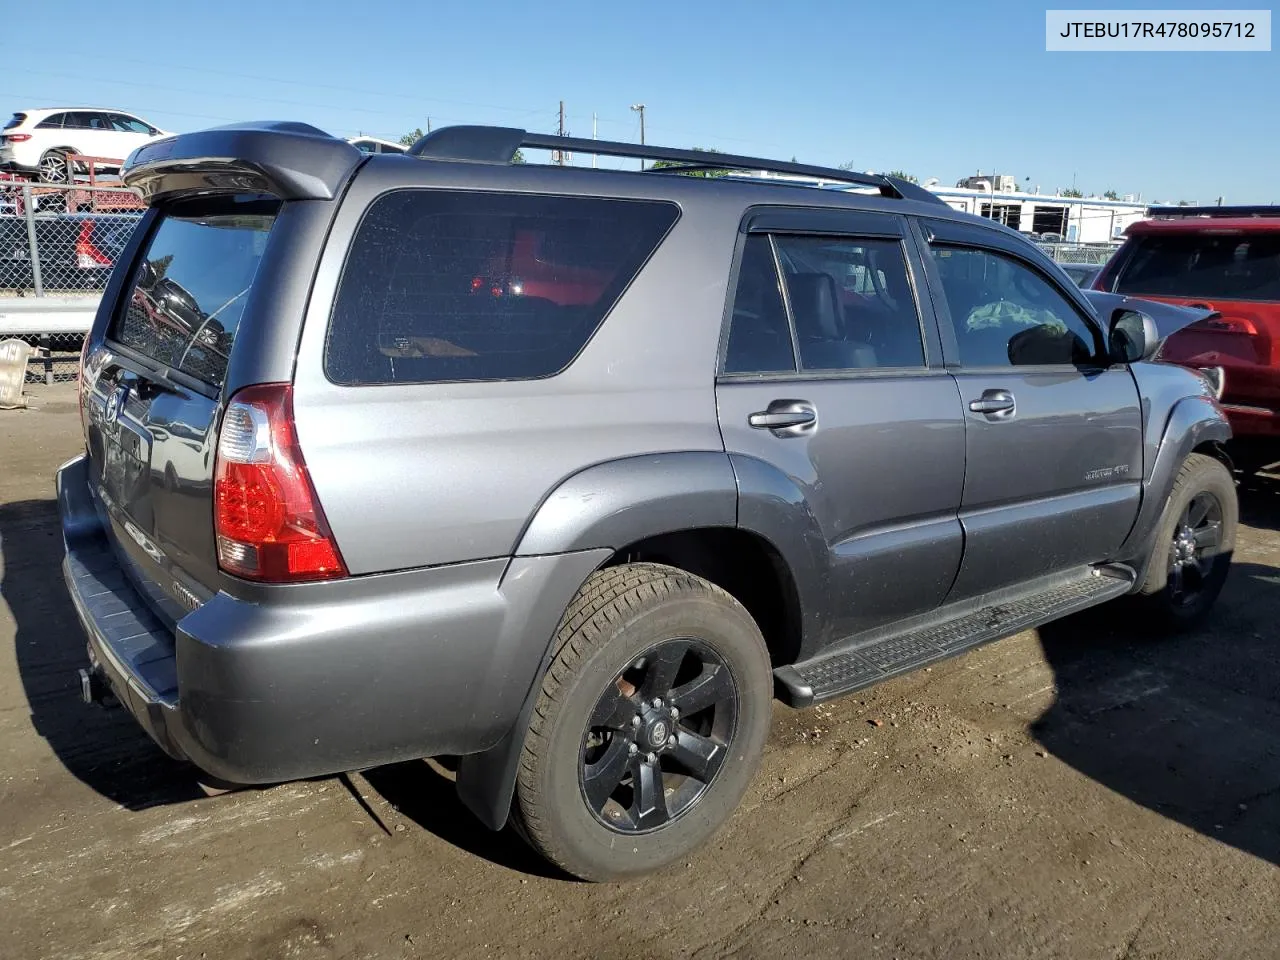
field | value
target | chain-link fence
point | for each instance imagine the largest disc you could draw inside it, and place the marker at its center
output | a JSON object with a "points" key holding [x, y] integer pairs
{"points": [[1091, 253], [61, 241], [58, 245], [54, 357]]}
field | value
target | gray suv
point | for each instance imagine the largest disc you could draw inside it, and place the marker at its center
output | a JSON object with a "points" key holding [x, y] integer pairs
{"points": [[566, 473]]}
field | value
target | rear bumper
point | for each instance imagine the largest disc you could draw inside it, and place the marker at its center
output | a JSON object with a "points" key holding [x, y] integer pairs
{"points": [[314, 679]]}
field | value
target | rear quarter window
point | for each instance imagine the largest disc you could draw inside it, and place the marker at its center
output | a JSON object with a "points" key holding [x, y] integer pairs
{"points": [[1231, 266], [460, 285], [189, 288]]}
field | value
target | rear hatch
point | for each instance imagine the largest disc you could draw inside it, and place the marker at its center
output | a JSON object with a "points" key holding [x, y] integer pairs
{"points": [[153, 391], [1228, 268]]}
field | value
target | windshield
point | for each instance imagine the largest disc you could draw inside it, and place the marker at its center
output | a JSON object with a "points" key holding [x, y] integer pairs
{"points": [[1214, 266]]}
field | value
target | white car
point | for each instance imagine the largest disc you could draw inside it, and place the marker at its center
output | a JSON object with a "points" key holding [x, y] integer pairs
{"points": [[376, 145], [38, 141]]}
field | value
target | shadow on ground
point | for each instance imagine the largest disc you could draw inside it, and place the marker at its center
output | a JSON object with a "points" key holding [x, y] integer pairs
{"points": [[1188, 726], [428, 798], [105, 749]]}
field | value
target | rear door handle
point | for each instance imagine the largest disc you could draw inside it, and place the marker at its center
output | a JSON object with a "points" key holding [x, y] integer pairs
{"points": [[994, 403], [786, 418]]}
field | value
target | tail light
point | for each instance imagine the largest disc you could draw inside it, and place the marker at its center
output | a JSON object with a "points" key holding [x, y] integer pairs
{"points": [[89, 256], [268, 522], [16, 137], [1221, 324]]}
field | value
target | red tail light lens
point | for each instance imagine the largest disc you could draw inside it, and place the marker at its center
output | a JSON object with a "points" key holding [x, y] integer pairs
{"points": [[268, 522], [89, 256], [16, 137]]}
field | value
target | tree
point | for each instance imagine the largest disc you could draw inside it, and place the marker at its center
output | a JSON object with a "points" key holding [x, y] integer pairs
{"points": [[1111, 195], [903, 175], [661, 164], [1071, 192]]}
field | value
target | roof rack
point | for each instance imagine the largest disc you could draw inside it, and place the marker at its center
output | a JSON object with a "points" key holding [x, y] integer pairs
{"points": [[1175, 213], [482, 144]]}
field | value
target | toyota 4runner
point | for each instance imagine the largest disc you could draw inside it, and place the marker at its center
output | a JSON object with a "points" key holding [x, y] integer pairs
{"points": [[565, 472]]}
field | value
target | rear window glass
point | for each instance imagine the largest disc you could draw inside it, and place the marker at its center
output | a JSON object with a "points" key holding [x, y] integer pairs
{"points": [[15, 121], [1222, 267], [451, 285], [189, 289]]}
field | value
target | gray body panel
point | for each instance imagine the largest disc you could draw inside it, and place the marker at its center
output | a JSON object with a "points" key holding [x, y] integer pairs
{"points": [[1053, 486], [880, 479], [469, 514]]}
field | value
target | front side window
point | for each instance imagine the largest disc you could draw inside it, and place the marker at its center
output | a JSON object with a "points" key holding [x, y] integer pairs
{"points": [[122, 123], [851, 302], [1005, 314], [445, 285], [189, 290]]}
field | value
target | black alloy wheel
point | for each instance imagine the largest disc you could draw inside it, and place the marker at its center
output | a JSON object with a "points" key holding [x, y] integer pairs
{"points": [[658, 736]]}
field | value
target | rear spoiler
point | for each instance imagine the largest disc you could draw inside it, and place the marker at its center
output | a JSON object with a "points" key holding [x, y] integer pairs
{"points": [[292, 161], [1169, 318]]}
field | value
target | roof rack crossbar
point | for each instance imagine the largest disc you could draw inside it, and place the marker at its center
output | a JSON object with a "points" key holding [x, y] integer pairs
{"points": [[499, 145], [1174, 213]]}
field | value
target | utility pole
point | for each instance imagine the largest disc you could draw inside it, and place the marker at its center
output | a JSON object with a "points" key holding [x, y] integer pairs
{"points": [[639, 108], [560, 153], [429, 124]]}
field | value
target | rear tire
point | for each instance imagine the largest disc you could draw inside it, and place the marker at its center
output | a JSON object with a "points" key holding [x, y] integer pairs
{"points": [[1194, 543], [615, 779], [54, 167]]}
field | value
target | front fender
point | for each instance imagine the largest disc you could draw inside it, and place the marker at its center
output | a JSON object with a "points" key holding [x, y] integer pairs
{"points": [[1193, 422]]}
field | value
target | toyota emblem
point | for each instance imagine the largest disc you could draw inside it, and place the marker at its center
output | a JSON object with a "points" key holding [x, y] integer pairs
{"points": [[114, 404]]}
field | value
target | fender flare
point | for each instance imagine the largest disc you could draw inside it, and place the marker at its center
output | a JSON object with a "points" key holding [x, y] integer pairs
{"points": [[1192, 423], [579, 526]]}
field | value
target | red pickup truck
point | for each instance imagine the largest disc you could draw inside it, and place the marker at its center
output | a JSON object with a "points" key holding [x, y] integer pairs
{"points": [[1226, 259]]}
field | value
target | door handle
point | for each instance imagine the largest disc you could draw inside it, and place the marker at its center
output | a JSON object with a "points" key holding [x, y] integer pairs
{"points": [[785, 418], [994, 403]]}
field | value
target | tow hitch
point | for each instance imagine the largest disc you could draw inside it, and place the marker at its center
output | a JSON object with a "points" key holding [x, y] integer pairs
{"points": [[94, 687]]}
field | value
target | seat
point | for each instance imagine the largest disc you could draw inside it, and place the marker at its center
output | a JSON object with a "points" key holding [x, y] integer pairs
{"points": [[820, 328]]}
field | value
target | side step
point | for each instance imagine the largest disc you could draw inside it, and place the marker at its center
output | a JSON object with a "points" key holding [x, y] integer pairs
{"points": [[945, 633]]}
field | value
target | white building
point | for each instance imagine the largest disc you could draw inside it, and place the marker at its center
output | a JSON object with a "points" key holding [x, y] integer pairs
{"points": [[1051, 217], [1073, 219]]}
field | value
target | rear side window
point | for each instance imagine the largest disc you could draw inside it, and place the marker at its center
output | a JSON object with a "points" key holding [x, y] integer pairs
{"points": [[454, 285], [1216, 267], [759, 333], [189, 289]]}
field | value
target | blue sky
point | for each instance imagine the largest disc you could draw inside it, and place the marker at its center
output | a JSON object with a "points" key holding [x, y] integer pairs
{"points": [[936, 89]]}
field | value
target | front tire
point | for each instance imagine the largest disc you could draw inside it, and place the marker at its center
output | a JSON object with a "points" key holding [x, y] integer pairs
{"points": [[650, 724], [1194, 543]]}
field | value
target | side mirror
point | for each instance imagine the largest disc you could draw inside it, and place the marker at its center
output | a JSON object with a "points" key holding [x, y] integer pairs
{"points": [[1132, 337]]}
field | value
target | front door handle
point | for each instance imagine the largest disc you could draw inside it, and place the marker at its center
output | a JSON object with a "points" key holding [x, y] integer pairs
{"points": [[786, 418], [994, 403]]}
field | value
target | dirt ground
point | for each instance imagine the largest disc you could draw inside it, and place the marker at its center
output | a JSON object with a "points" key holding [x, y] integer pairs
{"points": [[1076, 792]]}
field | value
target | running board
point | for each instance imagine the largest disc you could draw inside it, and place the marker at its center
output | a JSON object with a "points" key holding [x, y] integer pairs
{"points": [[944, 633]]}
